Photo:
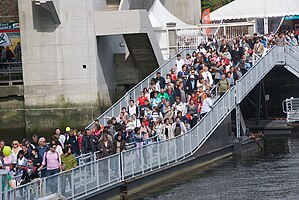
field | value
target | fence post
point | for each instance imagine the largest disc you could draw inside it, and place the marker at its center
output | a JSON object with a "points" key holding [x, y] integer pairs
{"points": [[175, 146], [158, 151], [44, 186], [121, 157], [167, 151], [9, 74], [238, 121], [96, 168], [73, 183], [190, 141], [3, 176], [183, 144]]}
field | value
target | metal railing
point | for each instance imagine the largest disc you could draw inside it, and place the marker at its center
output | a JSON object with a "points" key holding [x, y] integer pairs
{"points": [[74, 183], [292, 59], [191, 37], [149, 157], [11, 73], [99, 174], [291, 108], [115, 109], [258, 72]]}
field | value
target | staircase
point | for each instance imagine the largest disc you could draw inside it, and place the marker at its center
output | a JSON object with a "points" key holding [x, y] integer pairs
{"points": [[142, 53], [101, 174], [112, 5], [115, 109], [292, 59], [291, 108], [51, 6]]}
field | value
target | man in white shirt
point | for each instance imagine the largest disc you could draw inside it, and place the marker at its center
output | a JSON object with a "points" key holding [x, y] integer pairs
{"points": [[61, 137], [202, 49], [132, 108], [179, 63], [179, 106]]}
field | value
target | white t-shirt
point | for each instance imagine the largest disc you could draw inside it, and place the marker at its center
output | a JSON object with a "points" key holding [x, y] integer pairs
{"points": [[206, 105], [132, 110], [59, 149], [179, 65], [204, 51], [61, 139], [207, 76]]}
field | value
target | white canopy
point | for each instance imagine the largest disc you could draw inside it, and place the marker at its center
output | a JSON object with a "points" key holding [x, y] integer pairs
{"points": [[160, 16], [240, 9]]}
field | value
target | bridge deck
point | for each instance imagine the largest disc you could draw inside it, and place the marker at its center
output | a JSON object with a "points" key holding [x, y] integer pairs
{"points": [[270, 127]]}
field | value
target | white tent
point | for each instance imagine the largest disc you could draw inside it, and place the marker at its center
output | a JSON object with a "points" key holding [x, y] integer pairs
{"points": [[160, 16], [242, 9]]}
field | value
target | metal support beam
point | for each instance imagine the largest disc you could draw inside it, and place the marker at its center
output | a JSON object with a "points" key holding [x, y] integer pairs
{"points": [[265, 108], [266, 25], [258, 103], [238, 120]]}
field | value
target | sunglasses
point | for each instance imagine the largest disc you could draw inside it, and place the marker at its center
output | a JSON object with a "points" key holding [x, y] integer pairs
{"points": [[54, 147], [15, 144], [29, 161]]}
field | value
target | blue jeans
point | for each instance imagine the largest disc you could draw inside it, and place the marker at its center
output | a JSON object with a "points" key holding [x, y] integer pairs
{"points": [[52, 182]]}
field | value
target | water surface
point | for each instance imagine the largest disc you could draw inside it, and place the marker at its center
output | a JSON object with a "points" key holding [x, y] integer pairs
{"points": [[269, 174]]}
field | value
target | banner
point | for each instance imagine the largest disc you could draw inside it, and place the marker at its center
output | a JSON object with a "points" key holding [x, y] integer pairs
{"points": [[10, 35], [206, 20], [206, 16], [4, 39], [10, 27]]}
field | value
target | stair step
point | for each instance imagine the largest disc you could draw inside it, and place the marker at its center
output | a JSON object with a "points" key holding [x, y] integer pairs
{"points": [[112, 2], [112, 7]]}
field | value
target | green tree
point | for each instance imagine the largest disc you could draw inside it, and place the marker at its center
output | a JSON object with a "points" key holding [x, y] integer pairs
{"points": [[213, 4]]}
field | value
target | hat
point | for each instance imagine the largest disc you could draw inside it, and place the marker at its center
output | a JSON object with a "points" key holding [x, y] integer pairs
{"points": [[192, 76], [67, 129]]}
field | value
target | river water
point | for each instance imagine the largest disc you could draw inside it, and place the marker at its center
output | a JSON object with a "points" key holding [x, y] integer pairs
{"points": [[269, 174]]}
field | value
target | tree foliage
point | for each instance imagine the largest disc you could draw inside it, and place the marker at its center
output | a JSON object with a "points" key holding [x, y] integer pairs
{"points": [[213, 4]]}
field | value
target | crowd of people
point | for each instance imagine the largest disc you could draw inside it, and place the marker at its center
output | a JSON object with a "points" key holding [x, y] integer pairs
{"points": [[171, 105], [32, 159], [7, 55]]}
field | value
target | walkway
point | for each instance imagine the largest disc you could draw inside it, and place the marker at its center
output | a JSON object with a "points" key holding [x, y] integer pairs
{"points": [[100, 174]]}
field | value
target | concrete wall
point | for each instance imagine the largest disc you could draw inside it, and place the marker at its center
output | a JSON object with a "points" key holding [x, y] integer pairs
{"points": [[64, 83], [107, 47], [127, 22], [54, 55], [187, 11], [68, 67], [8, 11], [100, 5]]}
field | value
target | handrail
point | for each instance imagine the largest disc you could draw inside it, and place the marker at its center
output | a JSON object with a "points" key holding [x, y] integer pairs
{"points": [[290, 106], [10, 73], [256, 73]]}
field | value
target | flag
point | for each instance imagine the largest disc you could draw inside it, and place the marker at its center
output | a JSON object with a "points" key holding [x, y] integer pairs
{"points": [[206, 16], [206, 19], [4, 40]]}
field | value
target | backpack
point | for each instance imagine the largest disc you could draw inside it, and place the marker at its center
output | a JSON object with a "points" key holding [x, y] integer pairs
{"points": [[46, 154]]}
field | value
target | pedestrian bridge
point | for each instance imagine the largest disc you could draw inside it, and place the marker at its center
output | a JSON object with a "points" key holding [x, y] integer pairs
{"points": [[97, 175]]}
